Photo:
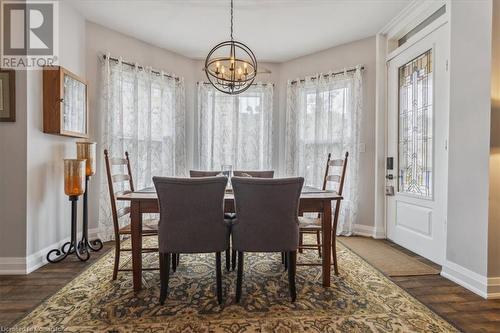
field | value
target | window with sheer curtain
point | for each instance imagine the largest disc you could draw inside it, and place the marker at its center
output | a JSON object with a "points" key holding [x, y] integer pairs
{"points": [[323, 116], [142, 113], [235, 129]]}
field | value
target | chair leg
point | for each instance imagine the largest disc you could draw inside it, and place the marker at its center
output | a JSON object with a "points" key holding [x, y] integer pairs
{"points": [[286, 260], [233, 260], [282, 258], [174, 262], [239, 277], [334, 255], [292, 266], [301, 241], [164, 276], [178, 259], [228, 260], [117, 260], [318, 241], [218, 274]]}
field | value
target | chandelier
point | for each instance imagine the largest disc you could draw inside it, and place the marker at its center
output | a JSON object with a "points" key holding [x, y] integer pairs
{"points": [[231, 66]]}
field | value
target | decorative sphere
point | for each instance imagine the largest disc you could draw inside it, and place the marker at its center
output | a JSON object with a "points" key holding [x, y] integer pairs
{"points": [[231, 67]]}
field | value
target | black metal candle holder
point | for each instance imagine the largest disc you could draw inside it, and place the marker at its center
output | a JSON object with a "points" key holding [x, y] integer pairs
{"points": [[73, 246], [86, 244]]}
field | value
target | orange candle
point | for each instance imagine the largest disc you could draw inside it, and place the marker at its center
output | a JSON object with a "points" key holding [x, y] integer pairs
{"points": [[74, 177], [87, 151]]}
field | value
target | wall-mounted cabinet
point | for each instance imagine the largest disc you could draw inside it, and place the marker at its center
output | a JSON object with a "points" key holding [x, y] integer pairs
{"points": [[64, 103]]}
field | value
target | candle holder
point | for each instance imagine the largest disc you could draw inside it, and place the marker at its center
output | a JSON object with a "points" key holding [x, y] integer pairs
{"points": [[74, 186], [87, 151]]}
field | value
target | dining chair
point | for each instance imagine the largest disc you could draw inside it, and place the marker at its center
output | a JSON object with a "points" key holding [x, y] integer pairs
{"points": [[310, 225], [227, 216], [199, 173], [256, 174], [125, 181], [267, 211], [191, 221]]}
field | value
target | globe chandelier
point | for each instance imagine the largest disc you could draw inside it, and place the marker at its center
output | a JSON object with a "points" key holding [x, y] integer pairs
{"points": [[231, 67]]}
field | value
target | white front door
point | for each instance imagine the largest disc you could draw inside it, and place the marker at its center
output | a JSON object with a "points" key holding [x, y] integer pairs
{"points": [[417, 142]]}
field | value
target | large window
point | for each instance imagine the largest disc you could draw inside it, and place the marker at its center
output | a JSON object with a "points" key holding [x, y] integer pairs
{"points": [[415, 126], [235, 129], [143, 114], [323, 115]]}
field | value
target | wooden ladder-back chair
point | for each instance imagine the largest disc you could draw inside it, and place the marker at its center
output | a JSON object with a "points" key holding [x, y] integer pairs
{"points": [[313, 225], [149, 228]]}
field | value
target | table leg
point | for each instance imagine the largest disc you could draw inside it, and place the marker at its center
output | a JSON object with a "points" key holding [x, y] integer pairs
{"points": [[327, 241], [334, 237], [136, 236]]}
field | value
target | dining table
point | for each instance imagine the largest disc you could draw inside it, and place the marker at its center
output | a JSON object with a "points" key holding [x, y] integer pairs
{"points": [[311, 201]]}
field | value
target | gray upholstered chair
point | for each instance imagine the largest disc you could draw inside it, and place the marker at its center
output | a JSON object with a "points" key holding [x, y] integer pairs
{"points": [[256, 174], [199, 173], [227, 216], [191, 221], [267, 221]]}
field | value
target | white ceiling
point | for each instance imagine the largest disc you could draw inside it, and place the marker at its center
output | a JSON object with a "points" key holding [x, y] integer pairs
{"points": [[276, 30]]}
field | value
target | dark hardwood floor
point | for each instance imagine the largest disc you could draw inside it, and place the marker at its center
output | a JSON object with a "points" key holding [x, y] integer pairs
{"points": [[19, 295]]}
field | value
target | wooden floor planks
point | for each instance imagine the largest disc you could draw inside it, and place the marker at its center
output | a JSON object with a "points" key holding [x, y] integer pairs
{"points": [[19, 295]]}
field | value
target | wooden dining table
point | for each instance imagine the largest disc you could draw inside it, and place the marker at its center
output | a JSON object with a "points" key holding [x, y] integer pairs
{"points": [[311, 200]]}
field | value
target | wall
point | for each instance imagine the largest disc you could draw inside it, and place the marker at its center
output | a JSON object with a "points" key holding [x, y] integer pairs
{"points": [[101, 40], [494, 202], [359, 52], [48, 209], [13, 148], [469, 142]]}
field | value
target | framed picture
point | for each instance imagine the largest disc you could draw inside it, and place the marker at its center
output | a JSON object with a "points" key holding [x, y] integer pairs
{"points": [[7, 95]]}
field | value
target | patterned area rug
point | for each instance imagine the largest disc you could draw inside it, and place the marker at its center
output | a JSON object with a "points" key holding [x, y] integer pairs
{"points": [[361, 299]]}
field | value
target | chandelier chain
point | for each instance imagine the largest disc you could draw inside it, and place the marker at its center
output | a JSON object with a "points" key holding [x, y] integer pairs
{"points": [[231, 19]]}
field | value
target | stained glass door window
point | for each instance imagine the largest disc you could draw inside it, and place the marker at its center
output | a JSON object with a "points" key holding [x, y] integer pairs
{"points": [[416, 126]]}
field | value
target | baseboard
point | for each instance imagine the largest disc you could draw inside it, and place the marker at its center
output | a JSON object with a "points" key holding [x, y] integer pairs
{"points": [[26, 265], [481, 285], [368, 231], [12, 266]]}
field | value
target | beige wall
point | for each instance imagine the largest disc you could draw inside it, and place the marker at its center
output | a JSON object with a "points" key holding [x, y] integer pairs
{"points": [[48, 209]]}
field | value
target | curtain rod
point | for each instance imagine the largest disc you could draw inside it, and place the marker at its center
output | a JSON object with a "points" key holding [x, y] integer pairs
{"points": [[140, 67], [350, 70], [253, 84]]}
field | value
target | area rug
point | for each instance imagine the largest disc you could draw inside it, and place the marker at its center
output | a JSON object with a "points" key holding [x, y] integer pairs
{"points": [[360, 299], [386, 258]]}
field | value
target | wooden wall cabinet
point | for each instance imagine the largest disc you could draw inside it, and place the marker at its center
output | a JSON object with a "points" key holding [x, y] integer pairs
{"points": [[64, 103]]}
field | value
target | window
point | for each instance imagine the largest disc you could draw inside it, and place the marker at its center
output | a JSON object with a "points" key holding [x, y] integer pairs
{"points": [[235, 129], [416, 126], [323, 114]]}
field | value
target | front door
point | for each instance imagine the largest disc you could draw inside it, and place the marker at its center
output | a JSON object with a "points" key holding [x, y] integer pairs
{"points": [[417, 143]]}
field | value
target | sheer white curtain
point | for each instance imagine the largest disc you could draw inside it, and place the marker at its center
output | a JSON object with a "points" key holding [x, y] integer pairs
{"points": [[323, 116], [235, 129], [142, 113]]}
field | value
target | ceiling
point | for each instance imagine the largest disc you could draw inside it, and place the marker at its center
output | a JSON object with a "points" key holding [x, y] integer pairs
{"points": [[276, 30]]}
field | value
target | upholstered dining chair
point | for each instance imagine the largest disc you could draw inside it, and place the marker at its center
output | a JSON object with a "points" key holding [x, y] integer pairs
{"points": [[256, 174], [227, 216], [124, 177], [191, 221], [310, 225], [267, 211], [200, 173]]}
